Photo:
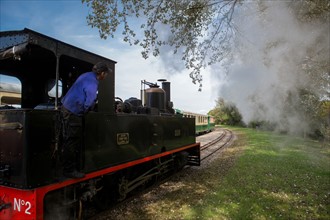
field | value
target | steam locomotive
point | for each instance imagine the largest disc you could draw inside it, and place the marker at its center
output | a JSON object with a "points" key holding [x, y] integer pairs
{"points": [[126, 144]]}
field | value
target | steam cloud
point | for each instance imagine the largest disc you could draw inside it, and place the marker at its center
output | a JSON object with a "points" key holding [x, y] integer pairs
{"points": [[267, 63]]}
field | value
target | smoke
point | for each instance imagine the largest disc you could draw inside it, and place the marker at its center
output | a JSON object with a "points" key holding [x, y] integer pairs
{"points": [[265, 73]]}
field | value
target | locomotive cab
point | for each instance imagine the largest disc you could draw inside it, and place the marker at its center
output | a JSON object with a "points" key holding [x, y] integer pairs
{"points": [[30, 132]]}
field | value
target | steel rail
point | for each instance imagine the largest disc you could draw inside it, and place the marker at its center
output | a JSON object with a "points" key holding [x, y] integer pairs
{"points": [[227, 134]]}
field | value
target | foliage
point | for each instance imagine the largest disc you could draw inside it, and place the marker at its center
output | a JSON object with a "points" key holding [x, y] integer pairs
{"points": [[262, 125], [226, 113], [316, 66], [200, 30], [324, 115], [316, 115]]}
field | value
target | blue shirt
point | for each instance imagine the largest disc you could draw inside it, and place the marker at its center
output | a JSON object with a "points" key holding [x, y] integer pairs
{"points": [[81, 96]]}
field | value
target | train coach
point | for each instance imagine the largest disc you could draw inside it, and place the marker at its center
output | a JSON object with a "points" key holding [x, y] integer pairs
{"points": [[127, 144], [203, 123]]}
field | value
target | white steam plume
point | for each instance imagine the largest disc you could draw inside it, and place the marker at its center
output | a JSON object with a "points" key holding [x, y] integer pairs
{"points": [[266, 66]]}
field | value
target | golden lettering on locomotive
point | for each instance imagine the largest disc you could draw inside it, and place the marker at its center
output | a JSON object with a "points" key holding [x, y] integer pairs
{"points": [[122, 138]]}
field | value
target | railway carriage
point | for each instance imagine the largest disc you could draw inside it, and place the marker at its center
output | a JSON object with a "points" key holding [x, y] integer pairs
{"points": [[126, 144], [203, 123]]}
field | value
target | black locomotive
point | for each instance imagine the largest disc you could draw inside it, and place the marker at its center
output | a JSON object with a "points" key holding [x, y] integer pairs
{"points": [[126, 144]]}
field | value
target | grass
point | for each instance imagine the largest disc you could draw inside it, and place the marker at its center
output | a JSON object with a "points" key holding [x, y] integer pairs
{"points": [[262, 176], [277, 177]]}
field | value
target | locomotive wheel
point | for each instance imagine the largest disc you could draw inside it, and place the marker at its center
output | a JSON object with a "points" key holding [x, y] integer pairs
{"points": [[108, 195], [123, 188], [181, 159], [57, 205]]}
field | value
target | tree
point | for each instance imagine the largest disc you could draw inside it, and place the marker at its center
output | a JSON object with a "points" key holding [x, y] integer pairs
{"points": [[226, 113], [315, 97], [201, 30]]}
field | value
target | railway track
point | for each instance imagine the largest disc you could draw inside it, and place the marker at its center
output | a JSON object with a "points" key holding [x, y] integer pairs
{"points": [[221, 138]]}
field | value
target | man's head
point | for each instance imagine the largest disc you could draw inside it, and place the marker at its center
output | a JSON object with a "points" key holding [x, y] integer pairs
{"points": [[101, 70]]}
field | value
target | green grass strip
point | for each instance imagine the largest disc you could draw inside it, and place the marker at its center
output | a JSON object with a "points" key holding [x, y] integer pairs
{"points": [[277, 177]]}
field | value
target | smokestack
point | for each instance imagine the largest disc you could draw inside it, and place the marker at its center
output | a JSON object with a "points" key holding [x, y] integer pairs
{"points": [[166, 86]]}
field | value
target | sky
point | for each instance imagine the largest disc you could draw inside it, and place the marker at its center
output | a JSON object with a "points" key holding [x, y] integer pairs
{"points": [[272, 53], [65, 20]]}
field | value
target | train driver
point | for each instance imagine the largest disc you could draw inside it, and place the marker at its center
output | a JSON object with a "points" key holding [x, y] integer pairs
{"points": [[78, 100]]}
